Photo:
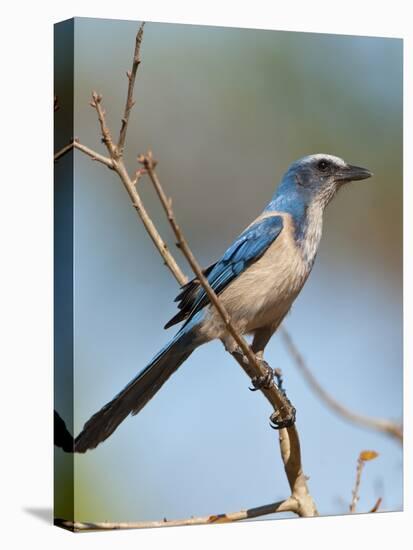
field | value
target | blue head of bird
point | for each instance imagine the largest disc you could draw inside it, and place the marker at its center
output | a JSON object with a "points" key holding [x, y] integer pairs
{"points": [[314, 180], [305, 190]]}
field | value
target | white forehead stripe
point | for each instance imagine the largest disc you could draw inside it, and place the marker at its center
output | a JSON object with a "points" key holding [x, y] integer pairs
{"points": [[319, 156]]}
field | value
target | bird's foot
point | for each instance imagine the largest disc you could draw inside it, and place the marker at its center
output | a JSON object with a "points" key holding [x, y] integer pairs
{"points": [[285, 415], [264, 380], [277, 421]]}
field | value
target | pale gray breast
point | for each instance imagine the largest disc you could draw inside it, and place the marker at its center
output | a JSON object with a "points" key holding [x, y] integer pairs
{"points": [[312, 235]]}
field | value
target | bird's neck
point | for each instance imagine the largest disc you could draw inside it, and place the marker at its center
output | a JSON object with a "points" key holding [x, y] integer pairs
{"points": [[307, 217]]}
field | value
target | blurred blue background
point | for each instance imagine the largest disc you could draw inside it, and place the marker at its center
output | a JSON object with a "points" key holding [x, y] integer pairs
{"points": [[225, 112]]}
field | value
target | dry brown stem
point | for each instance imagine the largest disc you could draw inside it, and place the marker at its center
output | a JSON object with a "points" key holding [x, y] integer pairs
{"points": [[288, 505]]}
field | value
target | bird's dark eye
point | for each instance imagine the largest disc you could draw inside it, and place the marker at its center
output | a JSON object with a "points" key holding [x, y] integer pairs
{"points": [[322, 165]]}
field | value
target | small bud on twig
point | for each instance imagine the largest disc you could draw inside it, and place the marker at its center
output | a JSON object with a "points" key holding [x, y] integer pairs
{"points": [[138, 175]]}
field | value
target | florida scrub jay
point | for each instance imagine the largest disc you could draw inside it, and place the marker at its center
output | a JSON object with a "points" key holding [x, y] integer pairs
{"points": [[257, 279]]}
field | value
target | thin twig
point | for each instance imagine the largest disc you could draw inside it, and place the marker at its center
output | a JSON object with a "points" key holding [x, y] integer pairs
{"points": [[136, 200], [376, 506], [355, 493], [364, 457], [379, 424], [96, 103], [289, 505], [129, 98], [93, 154], [63, 151], [117, 164], [75, 144]]}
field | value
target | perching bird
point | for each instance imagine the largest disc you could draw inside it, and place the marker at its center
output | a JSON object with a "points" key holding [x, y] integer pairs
{"points": [[257, 280]]}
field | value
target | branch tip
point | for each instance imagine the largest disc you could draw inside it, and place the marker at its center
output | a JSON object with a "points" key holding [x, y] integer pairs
{"points": [[376, 506], [131, 74]]}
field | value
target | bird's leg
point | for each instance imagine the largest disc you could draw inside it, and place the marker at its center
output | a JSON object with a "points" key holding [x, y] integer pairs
{"points": [[261, 339], [277, 420], [259, 382], [231, 346]]}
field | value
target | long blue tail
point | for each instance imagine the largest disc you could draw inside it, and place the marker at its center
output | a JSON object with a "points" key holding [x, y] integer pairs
{"points": [[138, 392]]}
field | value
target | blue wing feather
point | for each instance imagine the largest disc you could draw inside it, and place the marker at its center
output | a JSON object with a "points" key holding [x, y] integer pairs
{"points": [[248, 248]]}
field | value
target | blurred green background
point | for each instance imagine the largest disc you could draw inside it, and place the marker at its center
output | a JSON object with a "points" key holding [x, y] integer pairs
{"points": [[225, 112]]}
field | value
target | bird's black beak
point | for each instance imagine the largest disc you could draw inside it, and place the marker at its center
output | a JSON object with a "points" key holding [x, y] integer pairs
{"points": [[353, 173]]}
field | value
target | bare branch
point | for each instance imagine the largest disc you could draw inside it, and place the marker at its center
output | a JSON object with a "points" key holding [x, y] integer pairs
{"points": [[129, 184], [118, 165], [129, 98], [148, 223], [289, 505], [382, 425]]}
